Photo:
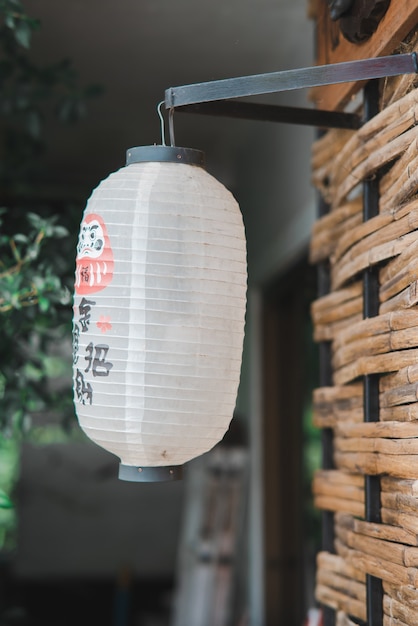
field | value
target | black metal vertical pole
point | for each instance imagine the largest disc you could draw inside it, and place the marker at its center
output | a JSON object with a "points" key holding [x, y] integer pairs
{"points": [[325, 380], [374, 588]]}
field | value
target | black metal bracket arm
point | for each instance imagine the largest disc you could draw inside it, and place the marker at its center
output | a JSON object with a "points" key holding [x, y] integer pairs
{"points": [[217, 97], [274, 113]]}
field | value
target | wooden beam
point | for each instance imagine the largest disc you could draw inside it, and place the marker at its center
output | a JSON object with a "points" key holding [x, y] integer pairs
{"points": [[400, 19]]}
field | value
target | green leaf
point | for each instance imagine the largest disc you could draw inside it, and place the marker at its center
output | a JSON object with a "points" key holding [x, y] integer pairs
{"points": [[65, 296], [55, 366], [23, 33], [9, 21], [35, 220], [5, 502], [60, 232], [20, 238], [33, 373], [15, 301], [2, 385], [44, 304]]}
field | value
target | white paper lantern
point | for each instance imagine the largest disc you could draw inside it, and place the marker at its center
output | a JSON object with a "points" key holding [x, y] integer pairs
{"points": [[159, 310]]}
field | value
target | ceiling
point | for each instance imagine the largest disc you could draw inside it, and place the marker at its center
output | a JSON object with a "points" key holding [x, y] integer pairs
{"points": [[136, 49]]}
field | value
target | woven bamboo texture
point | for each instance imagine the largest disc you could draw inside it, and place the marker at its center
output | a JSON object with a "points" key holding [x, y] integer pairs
{"points": [[387, 345]]}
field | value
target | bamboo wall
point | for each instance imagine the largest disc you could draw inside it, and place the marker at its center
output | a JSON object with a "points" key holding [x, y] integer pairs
{"points": [[386, 345]]}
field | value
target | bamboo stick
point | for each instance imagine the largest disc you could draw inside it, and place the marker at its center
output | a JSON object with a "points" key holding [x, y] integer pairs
{"points": [[380, 230], [405, 299], [393, 430], [388, 117], [395, 88], [402, 413], [344, 551], [375, 340], [323, 244], [331, 419], [326, 309], [351, 148], [338, 477], [348, 586], [347, 492], [398, 283], [344, 394], [400, 210], [383, 569], [393, 608], [396, 172], [395, 447], [393, 268], [375, 364], [396, 553], [337, 504], [327, 230], [400, 395], [342, 531], [378, 153], [402, 377], [407, 487], [397, 518], [378, 345], [373, 463], [404, 187], [381, 325], [324, 149], [344, 521], [337, 490], [332, 404], [328, 332], [401, 182], [338, 600], [367, 142], [405, 594], [335, 563], [369, 232], [386, 532], [341, 273], [400, 501], [392, 621]]}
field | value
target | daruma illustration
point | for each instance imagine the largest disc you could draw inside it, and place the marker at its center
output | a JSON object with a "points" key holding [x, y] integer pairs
{"points": [[94, 261]]}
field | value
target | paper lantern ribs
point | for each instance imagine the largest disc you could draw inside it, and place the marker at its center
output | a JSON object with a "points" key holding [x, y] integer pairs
{"points": [[159, 312]]}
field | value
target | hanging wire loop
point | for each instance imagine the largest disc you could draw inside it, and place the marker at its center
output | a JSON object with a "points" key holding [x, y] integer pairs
{"points": [[160, 115]]}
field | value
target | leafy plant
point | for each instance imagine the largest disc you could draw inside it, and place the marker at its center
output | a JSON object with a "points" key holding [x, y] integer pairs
{"points": [[34, 314], [36, 258], [30, 94], [9, 454]]}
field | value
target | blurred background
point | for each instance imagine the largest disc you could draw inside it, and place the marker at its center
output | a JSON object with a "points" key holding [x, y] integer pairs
{"points": [[80, 84]]}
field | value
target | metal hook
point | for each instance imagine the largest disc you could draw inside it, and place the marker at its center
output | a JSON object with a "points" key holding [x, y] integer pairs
{"points": [[161, 122]]}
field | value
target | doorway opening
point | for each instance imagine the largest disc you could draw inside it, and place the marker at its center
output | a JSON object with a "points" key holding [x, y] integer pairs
{"points": [[292, 446]]}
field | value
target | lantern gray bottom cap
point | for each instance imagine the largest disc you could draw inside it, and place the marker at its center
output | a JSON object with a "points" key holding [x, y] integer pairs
{"points": [[140, 474]]}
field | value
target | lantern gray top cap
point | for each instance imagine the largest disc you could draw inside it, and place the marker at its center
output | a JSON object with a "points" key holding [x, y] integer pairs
{"points": [[166, 154]]}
